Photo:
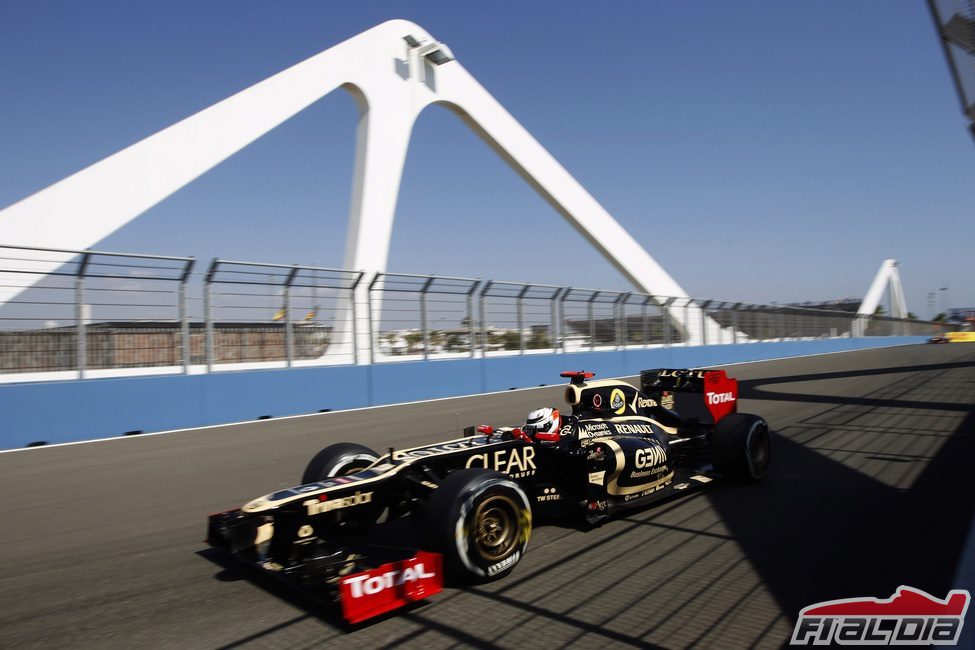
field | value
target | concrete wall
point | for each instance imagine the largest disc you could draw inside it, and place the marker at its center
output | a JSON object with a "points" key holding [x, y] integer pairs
{"points": [[67, 411]]}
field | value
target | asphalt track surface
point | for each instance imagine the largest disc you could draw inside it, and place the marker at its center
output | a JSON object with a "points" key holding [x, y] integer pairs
{"points": [[870, 488]]}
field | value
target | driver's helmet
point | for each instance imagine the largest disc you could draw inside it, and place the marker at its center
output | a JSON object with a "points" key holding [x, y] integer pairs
{"points": [[543, 423]]}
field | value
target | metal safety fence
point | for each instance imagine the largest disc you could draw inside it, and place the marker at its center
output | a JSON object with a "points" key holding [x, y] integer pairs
{"points": [[107, 313], [256, 312], [421, 315]]}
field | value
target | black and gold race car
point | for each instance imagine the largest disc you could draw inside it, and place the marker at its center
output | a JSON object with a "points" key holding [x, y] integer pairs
{"points": [[377, 531]]}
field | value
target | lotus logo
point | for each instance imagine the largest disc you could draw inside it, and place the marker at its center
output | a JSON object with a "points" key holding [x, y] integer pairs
{"points": [[616, 401]]}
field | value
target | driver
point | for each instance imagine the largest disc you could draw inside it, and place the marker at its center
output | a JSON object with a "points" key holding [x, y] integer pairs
{"points": [[544, 424]]}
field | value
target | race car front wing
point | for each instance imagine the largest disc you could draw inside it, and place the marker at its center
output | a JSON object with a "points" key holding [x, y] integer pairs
{"points": [[366, 579]]}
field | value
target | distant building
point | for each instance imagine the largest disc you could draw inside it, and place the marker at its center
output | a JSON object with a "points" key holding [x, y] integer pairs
{"points": [[850, 305], [156, 343], [961, 315]]}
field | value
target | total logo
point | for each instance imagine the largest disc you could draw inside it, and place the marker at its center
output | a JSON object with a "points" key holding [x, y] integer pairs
{"points": [[517, 463], [389, 586], [720, 398], [365, 585]]}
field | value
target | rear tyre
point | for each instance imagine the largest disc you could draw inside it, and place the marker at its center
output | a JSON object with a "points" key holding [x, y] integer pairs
{"points": [[742, 447], [338, 460], [481, 522]]}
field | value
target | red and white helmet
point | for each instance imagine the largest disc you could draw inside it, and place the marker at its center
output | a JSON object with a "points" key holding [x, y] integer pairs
{"points": [[543, 423]]}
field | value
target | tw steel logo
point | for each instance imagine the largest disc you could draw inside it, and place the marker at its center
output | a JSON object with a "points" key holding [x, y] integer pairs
{"points": [[514, 462]]}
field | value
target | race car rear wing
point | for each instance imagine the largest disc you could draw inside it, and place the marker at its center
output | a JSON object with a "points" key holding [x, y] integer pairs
{"points": [[678, 389]]}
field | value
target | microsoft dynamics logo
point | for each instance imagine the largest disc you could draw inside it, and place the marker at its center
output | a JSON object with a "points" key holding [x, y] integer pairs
{"points": [[909, 617]]}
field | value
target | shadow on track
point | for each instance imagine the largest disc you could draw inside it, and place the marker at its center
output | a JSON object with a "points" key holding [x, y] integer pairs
{"points": [[751, 388], [819, 530]]}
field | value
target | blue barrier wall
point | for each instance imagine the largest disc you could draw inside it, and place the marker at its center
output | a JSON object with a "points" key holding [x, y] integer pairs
{"points": [[68, 411]]}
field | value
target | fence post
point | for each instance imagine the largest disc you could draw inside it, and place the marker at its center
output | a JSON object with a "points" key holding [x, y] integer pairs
{"points": [[207, 315], [482, 313], [644, 322], [423, 318], [563, 326], [622, 328], [687, 321], [520, 311], [184, 318], [667, 321], [355, 318], [371, 316], [734, 323], [80, 316], [471, 327], [553, 308], [289, 334], [592, 322], [704, 321]]}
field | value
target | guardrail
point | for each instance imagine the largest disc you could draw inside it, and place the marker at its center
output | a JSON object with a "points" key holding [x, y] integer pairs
{"points": [[108, 313]]}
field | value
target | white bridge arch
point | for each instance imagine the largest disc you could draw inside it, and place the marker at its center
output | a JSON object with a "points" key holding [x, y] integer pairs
{"points": [[394, 71]]}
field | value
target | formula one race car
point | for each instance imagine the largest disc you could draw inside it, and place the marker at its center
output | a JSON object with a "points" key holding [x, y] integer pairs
{"points": [[466, 506]]}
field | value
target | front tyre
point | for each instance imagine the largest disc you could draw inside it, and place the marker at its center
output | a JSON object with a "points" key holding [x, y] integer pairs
{"points": [[338, 460], [481, 522], [742, 447]]}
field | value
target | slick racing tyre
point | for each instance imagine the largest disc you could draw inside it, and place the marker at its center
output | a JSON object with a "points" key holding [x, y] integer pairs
{"points": [[481, 522], [338, 460], [742, 447]]}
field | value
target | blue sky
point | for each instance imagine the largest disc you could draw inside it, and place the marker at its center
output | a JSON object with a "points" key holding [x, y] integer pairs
{"points": [[760, 151]]}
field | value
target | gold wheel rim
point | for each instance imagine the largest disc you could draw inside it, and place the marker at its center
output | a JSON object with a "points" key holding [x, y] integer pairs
{"points": [[496, 528]]}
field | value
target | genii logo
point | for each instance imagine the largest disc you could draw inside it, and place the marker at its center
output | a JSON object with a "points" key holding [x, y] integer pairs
{"points": [[909, 617], [649, 457], [617, 402]]}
